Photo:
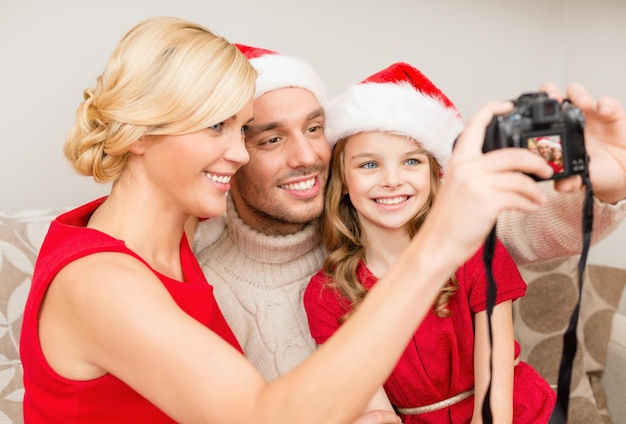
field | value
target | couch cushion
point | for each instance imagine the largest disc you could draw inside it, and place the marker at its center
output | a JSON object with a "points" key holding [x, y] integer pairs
{"points": [[21, 236], [543, 314]]}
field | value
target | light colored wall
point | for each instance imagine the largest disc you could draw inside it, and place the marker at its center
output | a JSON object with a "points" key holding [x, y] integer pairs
{"points": [[475, 51]]}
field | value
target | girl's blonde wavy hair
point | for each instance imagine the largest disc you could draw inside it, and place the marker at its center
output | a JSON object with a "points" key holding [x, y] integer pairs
{"points": [[342, 236], [166, 76]]}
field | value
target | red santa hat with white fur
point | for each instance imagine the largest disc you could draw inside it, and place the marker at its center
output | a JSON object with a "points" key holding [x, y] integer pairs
{"points": [[277, 71], [543, 141], [398, 100]]}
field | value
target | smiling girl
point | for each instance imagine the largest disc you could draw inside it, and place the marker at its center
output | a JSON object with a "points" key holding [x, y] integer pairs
{"points": [[394, 134]]}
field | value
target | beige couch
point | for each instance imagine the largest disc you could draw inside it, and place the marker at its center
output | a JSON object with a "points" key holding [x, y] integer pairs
{"points": [[540, 317]]}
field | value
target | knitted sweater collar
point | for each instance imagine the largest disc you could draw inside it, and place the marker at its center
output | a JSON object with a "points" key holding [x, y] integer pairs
{"points": [[266, 248]]}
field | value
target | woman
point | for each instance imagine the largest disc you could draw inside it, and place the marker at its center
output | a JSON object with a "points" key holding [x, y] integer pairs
{"points": [[120, 324]]}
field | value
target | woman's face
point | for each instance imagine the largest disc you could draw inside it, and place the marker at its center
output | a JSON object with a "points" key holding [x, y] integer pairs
{"points": [[387, 178], [194, 169]]}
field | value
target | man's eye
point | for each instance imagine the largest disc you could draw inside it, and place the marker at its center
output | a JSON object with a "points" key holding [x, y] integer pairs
{"points": [[314, 128], [272, 140]]}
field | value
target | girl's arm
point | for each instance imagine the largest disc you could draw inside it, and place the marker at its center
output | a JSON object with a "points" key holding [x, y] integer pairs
{"points": [[503, 362]]}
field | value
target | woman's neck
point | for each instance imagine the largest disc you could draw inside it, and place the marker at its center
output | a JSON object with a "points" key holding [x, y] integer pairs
{"points": [[149, 228]]}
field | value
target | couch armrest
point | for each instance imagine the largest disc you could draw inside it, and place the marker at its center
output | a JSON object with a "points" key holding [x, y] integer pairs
{"points": [[614, 377]]}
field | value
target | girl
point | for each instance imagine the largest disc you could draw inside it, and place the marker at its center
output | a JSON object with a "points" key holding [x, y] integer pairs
{"points": [[120, 325], [394, 133]]}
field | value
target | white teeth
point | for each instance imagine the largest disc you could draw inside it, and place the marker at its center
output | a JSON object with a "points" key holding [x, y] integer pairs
{"points": [[393, 201], [302, 185], [222, 179]]}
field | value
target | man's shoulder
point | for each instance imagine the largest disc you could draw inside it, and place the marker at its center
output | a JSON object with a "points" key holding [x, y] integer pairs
{"points": [[207, 233]]}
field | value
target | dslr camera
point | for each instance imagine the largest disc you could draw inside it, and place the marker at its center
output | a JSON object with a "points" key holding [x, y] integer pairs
{"points": [[543, 125]]}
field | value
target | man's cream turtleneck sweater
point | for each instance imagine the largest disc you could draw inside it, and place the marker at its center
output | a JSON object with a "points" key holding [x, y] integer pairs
{"points": [[258, 282]]}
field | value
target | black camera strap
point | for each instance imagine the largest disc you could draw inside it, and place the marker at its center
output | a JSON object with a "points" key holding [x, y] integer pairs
{"points": [[559, 414], [492, 292]]}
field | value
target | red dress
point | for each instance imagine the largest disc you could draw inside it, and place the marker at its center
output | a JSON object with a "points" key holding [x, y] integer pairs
{"points": [[439, 362], [50, 398]]}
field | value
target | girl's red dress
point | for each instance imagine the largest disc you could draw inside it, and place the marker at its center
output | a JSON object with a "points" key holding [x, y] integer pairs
{"points": [[438, 363]]}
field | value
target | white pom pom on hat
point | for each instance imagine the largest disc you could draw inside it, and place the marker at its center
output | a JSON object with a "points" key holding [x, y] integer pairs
{"points": [[276, 71], [398, 100]]}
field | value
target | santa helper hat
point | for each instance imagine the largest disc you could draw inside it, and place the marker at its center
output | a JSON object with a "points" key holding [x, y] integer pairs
{"points": [[398, 100], [544, 141], [277, 71]]}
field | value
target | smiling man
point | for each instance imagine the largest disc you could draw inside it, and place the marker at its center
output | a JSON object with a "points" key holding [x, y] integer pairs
{"points": [[282, 188], [271, 247]]}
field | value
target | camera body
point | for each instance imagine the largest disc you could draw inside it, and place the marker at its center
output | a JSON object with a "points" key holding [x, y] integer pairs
{"points": [[538, 121]]}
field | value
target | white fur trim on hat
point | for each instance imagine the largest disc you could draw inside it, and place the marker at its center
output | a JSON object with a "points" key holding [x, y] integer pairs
{"points": [[276, 71], [396, 108]]}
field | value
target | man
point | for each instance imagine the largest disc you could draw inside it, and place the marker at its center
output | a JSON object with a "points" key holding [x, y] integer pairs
{"points": [[260, 265], [544, 147], [271, 248]]}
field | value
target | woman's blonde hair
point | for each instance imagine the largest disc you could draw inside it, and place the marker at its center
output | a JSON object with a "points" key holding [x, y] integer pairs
{"points": [[342, 236], [166, 76]]}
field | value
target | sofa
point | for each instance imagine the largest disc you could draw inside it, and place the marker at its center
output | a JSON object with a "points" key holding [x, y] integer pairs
{"points": [[598, 392]]}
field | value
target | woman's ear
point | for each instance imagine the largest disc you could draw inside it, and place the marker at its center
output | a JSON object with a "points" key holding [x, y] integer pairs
{"points": [[139, 146]]}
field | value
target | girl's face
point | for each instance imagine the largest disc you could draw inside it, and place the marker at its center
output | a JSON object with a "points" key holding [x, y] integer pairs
{"points": [[557, 153], [387, 178], [194, 169]]}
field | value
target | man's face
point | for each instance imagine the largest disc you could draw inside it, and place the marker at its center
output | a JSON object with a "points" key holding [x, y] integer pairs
{"points": [[544, 150], [281, 189]]}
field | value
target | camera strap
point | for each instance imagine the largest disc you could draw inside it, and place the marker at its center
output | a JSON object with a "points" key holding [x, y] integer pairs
{"points": [[559, 414]]}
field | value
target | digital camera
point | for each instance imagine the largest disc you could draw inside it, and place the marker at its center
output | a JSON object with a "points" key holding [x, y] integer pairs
{"points": [[543, 125]]}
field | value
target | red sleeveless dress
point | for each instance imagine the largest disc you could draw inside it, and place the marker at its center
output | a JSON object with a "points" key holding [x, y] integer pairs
{"points": [[50, 398]]}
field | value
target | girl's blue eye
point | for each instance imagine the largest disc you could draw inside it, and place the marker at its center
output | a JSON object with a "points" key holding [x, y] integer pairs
{"points": [[412, 162], [369, 165]]}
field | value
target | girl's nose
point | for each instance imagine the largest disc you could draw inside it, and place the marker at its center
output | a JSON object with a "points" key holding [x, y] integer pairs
{"points": [[392, 179]]}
